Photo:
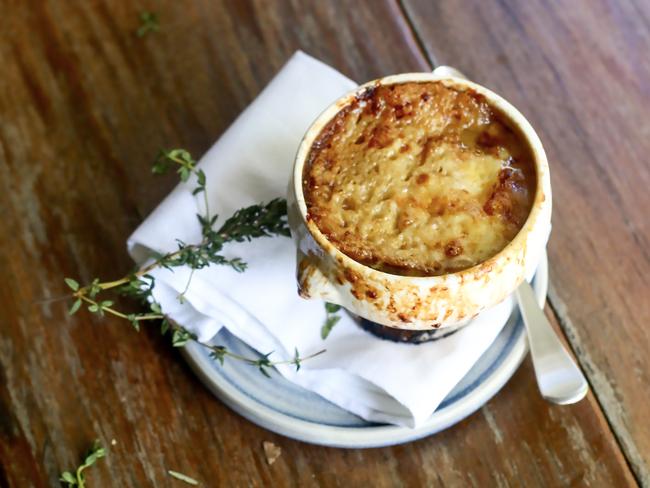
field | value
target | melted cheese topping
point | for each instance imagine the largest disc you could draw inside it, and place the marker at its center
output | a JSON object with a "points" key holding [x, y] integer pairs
{"points": [[419, 179]]}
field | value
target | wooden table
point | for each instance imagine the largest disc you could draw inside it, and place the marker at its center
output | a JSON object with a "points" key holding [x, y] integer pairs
{"points": [[85, 104]]}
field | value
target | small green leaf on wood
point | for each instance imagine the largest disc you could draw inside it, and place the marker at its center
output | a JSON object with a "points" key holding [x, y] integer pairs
{"points": [[97, 452], [164, 326], [94, 288], [133, 318], [68, 477], [180, 337], [75, 306], [148, 23], [78, 478], [72, 284]]}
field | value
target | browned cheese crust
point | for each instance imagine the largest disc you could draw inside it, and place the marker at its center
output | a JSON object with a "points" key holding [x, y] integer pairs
{"points": [[419, 179]]}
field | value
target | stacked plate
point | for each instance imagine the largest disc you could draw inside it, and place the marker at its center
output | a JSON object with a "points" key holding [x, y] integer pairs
{"points": [[285, 408]]}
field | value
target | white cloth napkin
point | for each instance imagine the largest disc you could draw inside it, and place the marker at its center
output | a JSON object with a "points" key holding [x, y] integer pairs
{"points": [[376, 379]]}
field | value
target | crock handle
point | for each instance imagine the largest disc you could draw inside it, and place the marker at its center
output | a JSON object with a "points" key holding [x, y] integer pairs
{"points": [[448, 72]]}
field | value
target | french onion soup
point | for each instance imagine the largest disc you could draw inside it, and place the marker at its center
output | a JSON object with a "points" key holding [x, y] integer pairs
{"points": [[419, 179]]}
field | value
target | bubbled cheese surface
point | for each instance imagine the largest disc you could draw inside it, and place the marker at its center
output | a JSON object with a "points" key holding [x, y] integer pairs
{"points": [[419, 179]]}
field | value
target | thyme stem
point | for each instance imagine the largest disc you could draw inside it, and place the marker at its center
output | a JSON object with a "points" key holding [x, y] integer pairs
{"points": [[175, 326], [143, 271]]}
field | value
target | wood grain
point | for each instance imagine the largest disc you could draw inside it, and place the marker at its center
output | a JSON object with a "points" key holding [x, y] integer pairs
{"points": [[580, 72], [84, 106]]}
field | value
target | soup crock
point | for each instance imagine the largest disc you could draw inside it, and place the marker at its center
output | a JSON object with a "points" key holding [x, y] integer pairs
{"points": [[441, 303]]}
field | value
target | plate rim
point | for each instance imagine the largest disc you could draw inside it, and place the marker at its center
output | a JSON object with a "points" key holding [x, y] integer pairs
{"points": [[373, 435]]}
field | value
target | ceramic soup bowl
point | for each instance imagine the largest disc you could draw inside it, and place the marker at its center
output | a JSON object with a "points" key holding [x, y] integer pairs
{"points": [[431, 303]]}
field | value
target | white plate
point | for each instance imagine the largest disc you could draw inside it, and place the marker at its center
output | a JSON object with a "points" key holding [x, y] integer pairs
{"points": [[283, 407]]}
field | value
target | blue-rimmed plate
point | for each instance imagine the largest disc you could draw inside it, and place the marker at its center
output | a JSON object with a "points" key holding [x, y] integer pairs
{"points": [[283, 407]]}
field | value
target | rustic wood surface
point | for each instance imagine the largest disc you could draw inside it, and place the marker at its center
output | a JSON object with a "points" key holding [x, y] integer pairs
{"points": [[581, 74], [84, 106]]}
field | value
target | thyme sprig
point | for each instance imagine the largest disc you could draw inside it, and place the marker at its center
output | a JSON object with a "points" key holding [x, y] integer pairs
{"points": [[77, 477], [148, 23], [248, 223]]}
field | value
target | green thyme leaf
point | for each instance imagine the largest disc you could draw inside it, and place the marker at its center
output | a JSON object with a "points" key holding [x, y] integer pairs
{"points": [[96, 453], [72, 284], [330, 322], [164, 326], [139, 288], [332, 307], [75, 306], [331, 319], [264, 371], [77, 478], [133, 318], [148, 23], [162, 164], [263, 363], [296, 359], [219, 353], [181, 336], [181, 156], [68, 477], [94, 288], [184, 173]]}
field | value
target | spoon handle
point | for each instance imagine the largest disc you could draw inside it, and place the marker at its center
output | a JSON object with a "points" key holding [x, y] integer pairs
{"points": [[558, 377]]}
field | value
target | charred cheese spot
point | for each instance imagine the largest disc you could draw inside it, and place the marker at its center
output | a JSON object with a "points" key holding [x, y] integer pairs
{"points": [[419, 179]]}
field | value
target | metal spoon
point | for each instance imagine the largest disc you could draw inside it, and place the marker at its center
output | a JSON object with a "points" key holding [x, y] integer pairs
{"points": [[558, 377]]}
